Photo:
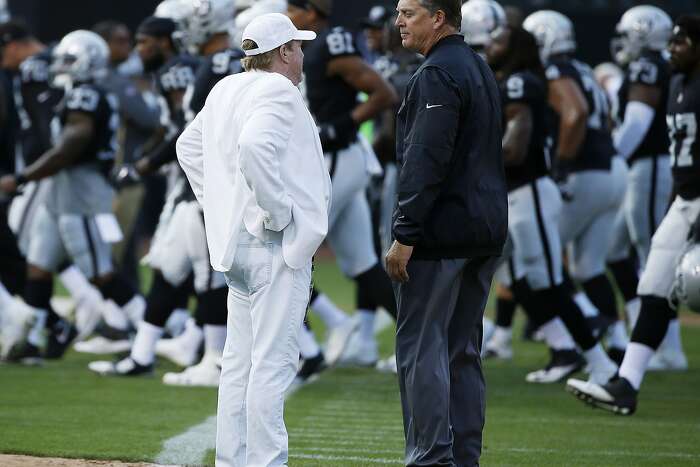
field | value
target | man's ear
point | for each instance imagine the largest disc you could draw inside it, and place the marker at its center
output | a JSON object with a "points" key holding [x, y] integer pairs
{"points": [[438, 19], [285, 52]]}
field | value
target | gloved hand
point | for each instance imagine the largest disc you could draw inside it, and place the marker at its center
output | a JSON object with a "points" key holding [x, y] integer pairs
{"points": [[560, 174], [331, 132], [125, 176]]}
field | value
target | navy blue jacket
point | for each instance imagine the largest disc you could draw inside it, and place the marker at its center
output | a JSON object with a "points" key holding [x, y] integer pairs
{"points": [[452, 195]]}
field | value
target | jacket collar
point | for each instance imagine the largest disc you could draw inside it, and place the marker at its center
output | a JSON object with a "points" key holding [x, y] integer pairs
{"points": [[447, 40]]}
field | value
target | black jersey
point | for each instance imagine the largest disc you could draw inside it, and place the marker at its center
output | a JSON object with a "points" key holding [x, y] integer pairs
{"points": [[103, 108], [36, 102], [651, 69], [212, 70], [682, 116], [175, 76], [527, 88], [329, 97], [597, 149]]}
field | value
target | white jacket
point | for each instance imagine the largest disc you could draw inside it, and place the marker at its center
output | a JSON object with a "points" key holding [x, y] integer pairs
{"points": [[254, 159]]}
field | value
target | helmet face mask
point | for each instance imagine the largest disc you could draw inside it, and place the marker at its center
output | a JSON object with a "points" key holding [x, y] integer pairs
{"points": [[640, 28]]}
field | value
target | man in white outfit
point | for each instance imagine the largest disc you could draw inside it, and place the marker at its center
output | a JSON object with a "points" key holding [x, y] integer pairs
{"points": [[255, 163]]}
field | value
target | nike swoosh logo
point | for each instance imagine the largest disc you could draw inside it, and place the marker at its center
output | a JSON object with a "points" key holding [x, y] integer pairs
{"points": [[428, 106]]}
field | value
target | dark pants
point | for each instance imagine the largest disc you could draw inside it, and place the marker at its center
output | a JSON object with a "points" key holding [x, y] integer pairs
{"points": [[438, 341]]}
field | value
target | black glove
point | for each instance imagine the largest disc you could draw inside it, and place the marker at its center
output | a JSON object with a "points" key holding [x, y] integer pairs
{"points": [[560, 174], [331, 132], [125, 176]]}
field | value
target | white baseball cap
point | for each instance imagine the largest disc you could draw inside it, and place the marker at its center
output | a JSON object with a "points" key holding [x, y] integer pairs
{"points": [[271, 31]]}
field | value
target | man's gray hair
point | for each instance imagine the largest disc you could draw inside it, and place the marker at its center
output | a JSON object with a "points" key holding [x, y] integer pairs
{"points": [[451, 8]]}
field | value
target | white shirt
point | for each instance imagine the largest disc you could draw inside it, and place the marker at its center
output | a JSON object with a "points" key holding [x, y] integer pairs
{"points": [[253, 158]]}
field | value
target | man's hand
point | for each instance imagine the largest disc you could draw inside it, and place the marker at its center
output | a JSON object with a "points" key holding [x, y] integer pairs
{"points": [[8, 184], [396, 261]]}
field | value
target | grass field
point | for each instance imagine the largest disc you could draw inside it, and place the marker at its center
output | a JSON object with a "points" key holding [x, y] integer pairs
{"points": [[349, 417]]}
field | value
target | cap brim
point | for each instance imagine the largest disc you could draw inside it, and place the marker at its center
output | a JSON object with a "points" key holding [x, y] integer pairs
{"points": [[304, 36]]}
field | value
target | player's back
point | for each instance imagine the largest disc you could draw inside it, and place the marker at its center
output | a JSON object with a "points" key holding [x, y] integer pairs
{"points": [[597, 148]]}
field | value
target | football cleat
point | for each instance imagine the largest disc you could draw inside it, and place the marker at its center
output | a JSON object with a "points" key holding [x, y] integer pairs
{"points": [[562, 363], [618, 396], [182, 350], [125, 367], [27, 354], [388, 365], [360, 351], [100, 345], [310, 369], [17, 319], [61, 335], [338, 339], [204, 374]]}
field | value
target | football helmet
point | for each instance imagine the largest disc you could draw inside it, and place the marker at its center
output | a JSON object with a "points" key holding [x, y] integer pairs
{"points": [[480, 18], [259, 8], [204, 19], [686, 288], [4, 12], [81, 56], [641, 28], [553, 31]]}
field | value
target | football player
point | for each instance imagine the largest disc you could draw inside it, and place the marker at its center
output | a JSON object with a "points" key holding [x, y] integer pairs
{"points": [[643, 139], [480, 19], [591, 176], [75, 224], [335, 74], [671, 238], [535, 205]]}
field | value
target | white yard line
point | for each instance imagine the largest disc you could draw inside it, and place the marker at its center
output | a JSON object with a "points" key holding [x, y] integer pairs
{"points": [[367, 460], [189, 447]]}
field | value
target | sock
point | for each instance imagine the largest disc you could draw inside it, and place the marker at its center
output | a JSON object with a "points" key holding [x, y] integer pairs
{"points": [[119, 290], [601, 293], [653, 321], [214, 338], [584, 303], [375, 290], [330, 314], [635, 363], [211, 307], [143, 350], [192, 335], [632, 309], [617, 335], [308, 347], [114, 316], [557, 336], [366, 323], [5, 297], [625, 273], [596, 356], [37, 294], [536, 308], [135, 309], [77, 284], [672, 340], [505, 309], [36, 333], [175, 325], [502, 335]]}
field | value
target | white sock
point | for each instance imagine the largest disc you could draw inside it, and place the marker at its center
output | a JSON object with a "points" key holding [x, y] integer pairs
{"points": [[78, 286], [308, 347], [214, 338], [143, 350], [36, 333], [672, 340], [367, 323], [584, 303], [5, 297], [634, 365], [135, 309], [502, 335], [556, 335], [114, 316], [596, 356], [175, 325], [617, 335], [330, 314], [192, 335], [633, 307]]}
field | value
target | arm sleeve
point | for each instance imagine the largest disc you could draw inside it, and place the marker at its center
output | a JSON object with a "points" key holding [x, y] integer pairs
{"points": [[428, 151], [191, 156], [638, 119], [262, 141]]}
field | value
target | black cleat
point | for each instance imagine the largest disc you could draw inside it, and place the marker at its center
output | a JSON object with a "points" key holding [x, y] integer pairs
{"points": [[60, 337], [562, 363], [311, 367], [27, 354], [618, 396], [125, 367]]}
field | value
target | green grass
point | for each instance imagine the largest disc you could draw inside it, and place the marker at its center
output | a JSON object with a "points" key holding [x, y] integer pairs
{"points": [[351, 415]]}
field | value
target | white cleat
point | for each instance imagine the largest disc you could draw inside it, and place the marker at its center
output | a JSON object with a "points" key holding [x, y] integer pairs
{"points": [[182, 350], [17, 319], [668, 361], [489, 328], [100, 345], [338, 339], [562, 364], [204, 374], [388, 365], [360, 351]]}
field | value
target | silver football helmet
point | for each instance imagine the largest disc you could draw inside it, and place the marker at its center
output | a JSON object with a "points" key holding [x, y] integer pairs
{"points": [[686, 288], [480, 18], [553, 31], [4, 12], [81, 56], [641, 28], [259, 8], [205, 18]]}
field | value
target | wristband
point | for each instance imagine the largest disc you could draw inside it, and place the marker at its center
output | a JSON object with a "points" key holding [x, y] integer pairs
{"points": [[21, 179]]}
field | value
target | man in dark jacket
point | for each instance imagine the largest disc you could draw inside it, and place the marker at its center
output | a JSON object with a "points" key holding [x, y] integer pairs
{"points": [[449, 228]]}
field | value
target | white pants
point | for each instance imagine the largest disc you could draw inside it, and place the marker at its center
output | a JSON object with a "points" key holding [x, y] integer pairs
{"points": [[649, 186], [667, 245], [350, 220], [266, 305], [24, 209], [587, 221]]}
